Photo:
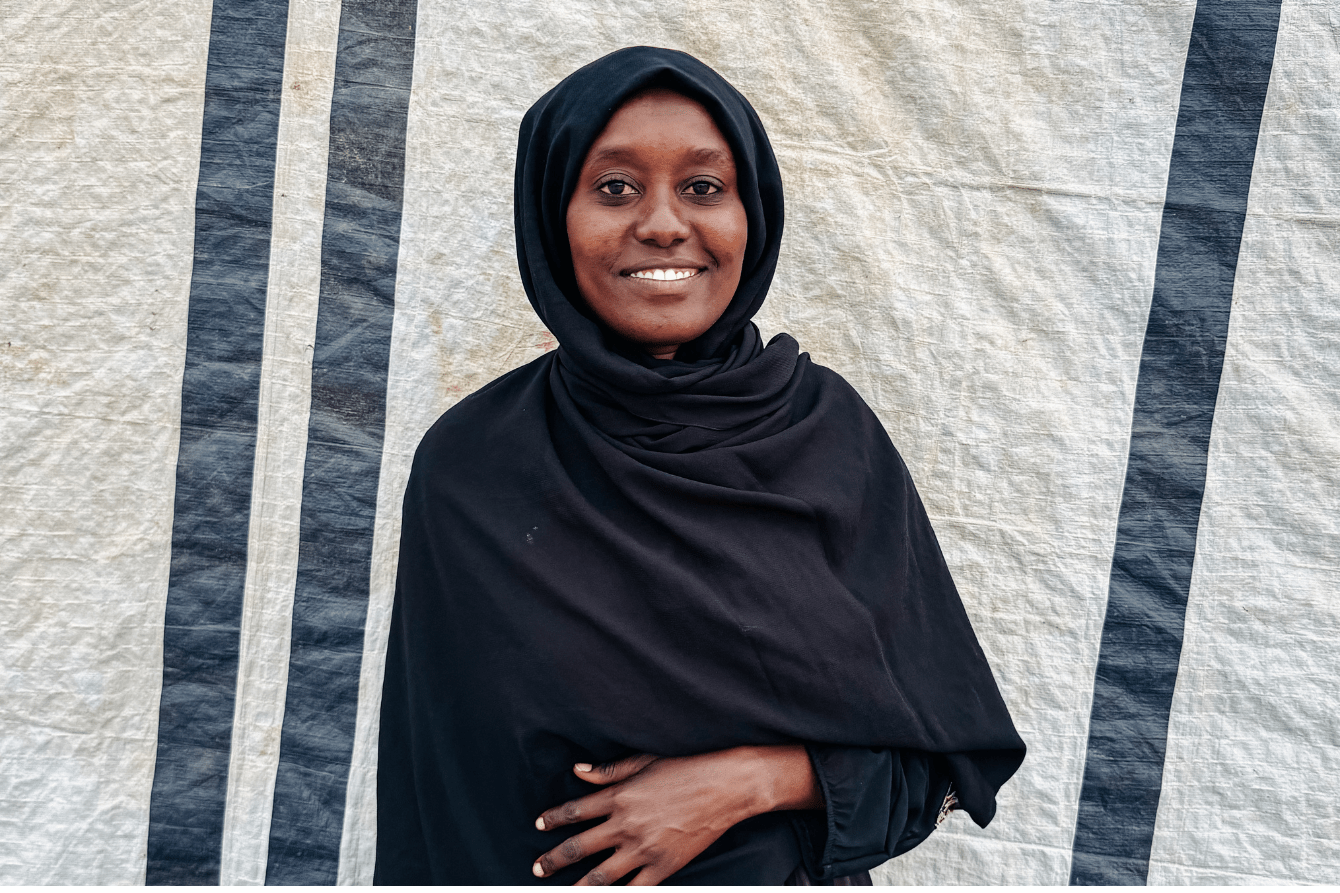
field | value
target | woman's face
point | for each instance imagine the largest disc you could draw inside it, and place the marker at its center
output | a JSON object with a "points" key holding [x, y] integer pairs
{"points": [[656, 225]]}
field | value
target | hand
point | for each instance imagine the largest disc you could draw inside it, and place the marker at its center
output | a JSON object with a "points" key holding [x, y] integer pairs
{"points": [[663, 811]]}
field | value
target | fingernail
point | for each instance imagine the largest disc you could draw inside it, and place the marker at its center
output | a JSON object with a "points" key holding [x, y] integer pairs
{"points": [[539, 823], [539, 872], [583, 767]]}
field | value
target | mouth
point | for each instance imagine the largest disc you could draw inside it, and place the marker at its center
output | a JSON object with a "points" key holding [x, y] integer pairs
{"points": [[665, 274]]}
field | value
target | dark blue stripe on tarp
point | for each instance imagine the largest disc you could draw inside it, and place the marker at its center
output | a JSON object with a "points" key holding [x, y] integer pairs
{"points": [[359, 249], [1223, 92], [220, 391]]}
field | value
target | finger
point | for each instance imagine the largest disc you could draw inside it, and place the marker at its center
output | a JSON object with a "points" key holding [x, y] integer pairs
{"points": [[612, 773], [649, 877], [592, 806], [574, 849], [654, 873], [609, 872]]}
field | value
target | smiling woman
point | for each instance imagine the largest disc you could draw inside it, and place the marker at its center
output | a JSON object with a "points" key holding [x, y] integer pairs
{"points": [[656, 224], [669, 608]]}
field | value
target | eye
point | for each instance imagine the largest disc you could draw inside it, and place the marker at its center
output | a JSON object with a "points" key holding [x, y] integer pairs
{"points": [[616, 187], [703, 187]]}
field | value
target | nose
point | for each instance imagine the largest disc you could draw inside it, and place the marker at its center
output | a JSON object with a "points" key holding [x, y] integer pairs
{"points": [[662, 222]]}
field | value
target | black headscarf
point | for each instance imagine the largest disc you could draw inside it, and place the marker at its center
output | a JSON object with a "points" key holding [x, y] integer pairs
{"points": [[605, 554]]}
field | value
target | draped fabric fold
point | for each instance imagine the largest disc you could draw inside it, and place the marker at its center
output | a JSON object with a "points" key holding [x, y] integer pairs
{"points": [[606, 554]]}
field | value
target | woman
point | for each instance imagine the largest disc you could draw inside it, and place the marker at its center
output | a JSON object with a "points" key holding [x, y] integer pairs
{"points": [[668, 604]]}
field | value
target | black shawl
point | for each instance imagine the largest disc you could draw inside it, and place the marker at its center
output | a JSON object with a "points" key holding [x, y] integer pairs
{"points": [[605, 554]]}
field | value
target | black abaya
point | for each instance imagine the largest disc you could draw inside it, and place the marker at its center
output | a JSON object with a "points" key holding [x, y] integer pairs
{"points": [[604, 554]]}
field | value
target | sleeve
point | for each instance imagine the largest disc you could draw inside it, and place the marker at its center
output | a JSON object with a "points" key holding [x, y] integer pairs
{"points": [[402, 850], [402, 854], [878, 803]]}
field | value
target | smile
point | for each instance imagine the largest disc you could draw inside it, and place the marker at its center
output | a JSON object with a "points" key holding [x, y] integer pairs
{"points": [[663, 275]]}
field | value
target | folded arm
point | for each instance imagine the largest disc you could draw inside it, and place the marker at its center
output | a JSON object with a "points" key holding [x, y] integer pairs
{"points": [[856, 807], [661, 812]]}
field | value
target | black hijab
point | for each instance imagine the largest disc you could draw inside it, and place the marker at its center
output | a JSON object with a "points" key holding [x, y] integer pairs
{"points": [[605, 554]]}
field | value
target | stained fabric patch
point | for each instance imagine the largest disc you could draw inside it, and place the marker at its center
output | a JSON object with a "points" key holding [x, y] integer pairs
{"points": [[220, 391], [1223, 93], [360, 244]]}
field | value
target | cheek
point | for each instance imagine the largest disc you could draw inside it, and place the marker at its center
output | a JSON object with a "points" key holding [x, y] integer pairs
{"points": [[729, 238], [727, 241], [590, 242]]}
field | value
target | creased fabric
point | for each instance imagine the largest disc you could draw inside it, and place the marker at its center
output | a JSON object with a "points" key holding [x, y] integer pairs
{"points": [[879, 803], [604, 554]]}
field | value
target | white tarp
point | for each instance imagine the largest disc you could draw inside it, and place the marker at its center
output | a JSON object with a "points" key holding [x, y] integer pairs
{"points": [[975, 194]]}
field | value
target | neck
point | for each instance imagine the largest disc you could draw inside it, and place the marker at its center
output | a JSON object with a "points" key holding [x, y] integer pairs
{"points": [[665, 352]]}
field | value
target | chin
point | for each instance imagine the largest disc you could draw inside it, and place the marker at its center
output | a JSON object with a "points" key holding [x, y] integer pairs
{"points": [[667, 334]]}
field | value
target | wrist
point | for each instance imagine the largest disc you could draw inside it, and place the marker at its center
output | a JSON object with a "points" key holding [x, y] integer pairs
{"points": [[774, 778]]}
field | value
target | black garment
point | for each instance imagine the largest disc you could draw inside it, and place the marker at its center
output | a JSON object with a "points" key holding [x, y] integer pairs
{"points": [[801, 878], [605, 554]]}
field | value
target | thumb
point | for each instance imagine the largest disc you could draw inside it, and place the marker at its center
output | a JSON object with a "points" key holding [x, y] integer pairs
{"points": [[612, 773]]}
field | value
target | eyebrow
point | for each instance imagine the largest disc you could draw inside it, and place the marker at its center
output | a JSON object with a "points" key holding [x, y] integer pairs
{"points": [[700, 156]]}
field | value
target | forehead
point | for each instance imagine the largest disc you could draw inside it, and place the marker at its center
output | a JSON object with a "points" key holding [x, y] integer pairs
{"points": [[659, 121]]}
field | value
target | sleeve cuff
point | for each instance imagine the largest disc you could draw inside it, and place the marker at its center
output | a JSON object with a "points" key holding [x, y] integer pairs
{"points": [[859, 788]]}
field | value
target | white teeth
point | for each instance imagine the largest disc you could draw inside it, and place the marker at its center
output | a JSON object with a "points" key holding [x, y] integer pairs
{"points": [[664, 275]]}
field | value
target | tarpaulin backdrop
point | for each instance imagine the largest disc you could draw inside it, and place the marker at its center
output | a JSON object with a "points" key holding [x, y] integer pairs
{"points": [[1082, 257]]}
